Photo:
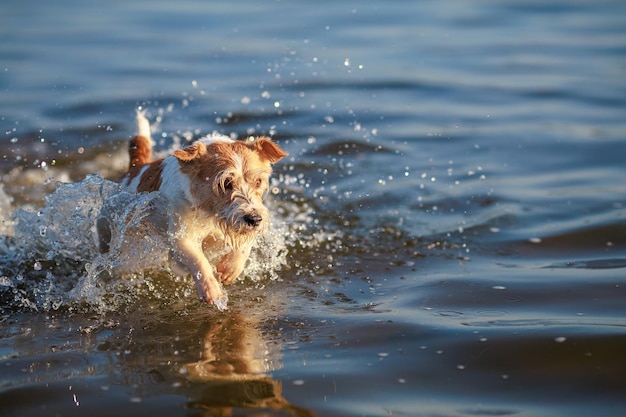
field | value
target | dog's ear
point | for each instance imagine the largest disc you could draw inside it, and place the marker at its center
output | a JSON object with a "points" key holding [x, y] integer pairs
{"points": [[190, 152], [268, 150]]}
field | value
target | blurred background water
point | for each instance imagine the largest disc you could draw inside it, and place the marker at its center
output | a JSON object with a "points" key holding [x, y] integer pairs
{"points": [[449, 229]]}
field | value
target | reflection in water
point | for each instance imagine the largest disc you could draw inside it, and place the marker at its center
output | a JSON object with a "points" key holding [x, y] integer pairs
{"points": [[232, 372], [217, 368]]}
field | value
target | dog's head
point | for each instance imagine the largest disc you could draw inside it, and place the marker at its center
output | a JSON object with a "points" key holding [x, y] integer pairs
{"points": [[229, 180]]}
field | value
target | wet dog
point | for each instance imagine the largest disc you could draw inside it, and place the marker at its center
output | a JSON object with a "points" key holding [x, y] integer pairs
{"points": [[214, 189]]}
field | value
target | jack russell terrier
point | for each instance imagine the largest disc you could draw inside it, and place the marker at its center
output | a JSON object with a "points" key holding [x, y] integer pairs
{"points": [[214, 190]]}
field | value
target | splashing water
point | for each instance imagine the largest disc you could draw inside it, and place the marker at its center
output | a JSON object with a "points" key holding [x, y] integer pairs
{"points": [[52, 258]]}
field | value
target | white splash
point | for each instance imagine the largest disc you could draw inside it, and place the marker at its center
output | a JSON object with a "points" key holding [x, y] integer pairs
{"points": [[62, 240]]}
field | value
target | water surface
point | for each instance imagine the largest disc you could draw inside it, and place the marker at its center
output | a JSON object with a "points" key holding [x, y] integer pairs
{"points": [[448, 233]]}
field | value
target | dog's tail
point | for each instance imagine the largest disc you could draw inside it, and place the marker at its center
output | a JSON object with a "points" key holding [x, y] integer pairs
{"points": [[140, 146]]}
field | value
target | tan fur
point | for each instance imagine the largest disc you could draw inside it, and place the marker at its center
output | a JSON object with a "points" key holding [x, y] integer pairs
{"points": [[140, 151], [140, 154], [269, 150], [223, 209], [216, 165], [151, 178]]}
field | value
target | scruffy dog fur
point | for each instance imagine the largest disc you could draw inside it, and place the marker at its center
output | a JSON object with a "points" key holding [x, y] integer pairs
{"points": [[214, 188]]}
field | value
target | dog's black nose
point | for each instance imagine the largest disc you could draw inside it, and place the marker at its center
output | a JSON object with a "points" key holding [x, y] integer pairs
{"points": [[252, 219]]}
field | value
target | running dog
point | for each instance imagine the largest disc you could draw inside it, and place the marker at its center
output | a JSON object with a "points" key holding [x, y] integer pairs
{"points": [[214, 190]]}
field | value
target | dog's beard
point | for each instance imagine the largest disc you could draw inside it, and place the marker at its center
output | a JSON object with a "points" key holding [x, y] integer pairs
{"points": [[237, 230]]}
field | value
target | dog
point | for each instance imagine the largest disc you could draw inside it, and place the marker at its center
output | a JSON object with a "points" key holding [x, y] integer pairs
{"points": [[214, 189]]}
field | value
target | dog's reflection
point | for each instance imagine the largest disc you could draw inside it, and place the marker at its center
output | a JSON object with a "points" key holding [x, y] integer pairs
{"points": [[233, 371]]}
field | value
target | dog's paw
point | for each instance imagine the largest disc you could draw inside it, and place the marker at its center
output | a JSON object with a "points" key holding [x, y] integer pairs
{"points": [[221, 303], [229, 269], [227, 278], [210, 291]]}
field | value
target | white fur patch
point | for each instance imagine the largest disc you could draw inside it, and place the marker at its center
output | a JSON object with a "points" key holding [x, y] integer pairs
{"points": [[174, 184], [215, 137], [143, 125]]}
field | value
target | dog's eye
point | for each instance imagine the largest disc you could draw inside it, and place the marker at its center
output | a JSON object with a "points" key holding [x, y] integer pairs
{"points": [[228, 184]]}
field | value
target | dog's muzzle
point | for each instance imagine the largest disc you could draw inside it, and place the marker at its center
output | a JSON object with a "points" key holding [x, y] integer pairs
{"points": [[253, 219]]}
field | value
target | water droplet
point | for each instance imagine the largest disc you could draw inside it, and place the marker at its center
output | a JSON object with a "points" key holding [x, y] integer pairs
{"points": [[37, 266]]}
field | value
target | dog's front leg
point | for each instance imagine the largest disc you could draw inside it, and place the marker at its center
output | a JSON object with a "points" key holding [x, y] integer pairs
{"points": [[231, 265], [208, 288]]}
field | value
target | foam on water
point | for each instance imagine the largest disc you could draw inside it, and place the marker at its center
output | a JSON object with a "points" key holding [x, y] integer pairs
{"points": [[51, 258]]}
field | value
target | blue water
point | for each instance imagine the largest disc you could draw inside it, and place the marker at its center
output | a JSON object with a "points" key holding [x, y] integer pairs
{"points": [[449, 230]]}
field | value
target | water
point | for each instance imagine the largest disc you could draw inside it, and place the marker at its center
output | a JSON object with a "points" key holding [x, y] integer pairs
{"points": [[448, 233]]}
